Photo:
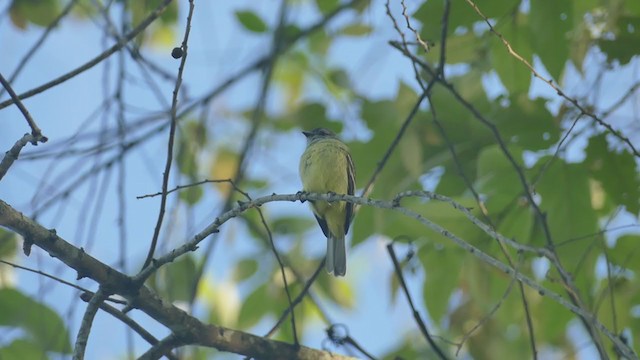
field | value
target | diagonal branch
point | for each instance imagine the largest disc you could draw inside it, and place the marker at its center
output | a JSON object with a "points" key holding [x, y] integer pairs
{"points": [[35, 130], [87, 321], [416, 314], [12, 155], [191, 330]]}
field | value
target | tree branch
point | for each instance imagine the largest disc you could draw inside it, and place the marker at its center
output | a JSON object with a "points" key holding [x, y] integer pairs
{"points": [[224, 339], [143, 298]]}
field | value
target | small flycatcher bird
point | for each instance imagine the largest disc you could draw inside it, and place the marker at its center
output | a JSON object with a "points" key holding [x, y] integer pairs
{"points": [[326, 166]]}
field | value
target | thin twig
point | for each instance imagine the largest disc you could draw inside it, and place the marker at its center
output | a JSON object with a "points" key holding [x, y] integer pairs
{"points": [[87, 321], [296, 301], [144, 334], [162, 347], [181, 187], [485, 318], [35, 130], [396, 140], [443, 38], [621, 101], [172, 131], [416, 314], [283, 273], [342, 338], [13, 153]]}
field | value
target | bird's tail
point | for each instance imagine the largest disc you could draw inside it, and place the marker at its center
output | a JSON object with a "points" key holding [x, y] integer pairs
{"points": [[336, 255]]}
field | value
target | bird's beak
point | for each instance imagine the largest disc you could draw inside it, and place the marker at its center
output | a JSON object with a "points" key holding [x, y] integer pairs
{"points": [[307, 133]]}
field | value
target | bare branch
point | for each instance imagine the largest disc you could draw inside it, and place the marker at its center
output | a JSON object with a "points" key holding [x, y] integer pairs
{"points": [[416, 314], [172, 132], [87, 320], [12, 155], [35, 130]]}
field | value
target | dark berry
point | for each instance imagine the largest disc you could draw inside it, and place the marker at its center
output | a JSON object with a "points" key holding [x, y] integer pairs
{"points": [[176, 53]]}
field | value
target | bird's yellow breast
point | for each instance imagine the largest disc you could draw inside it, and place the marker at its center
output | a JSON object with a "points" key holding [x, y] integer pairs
{"points": [[323, 167]]}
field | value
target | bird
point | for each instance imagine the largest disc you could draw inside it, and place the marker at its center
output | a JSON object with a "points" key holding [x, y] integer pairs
{"points": [[326, 166]]}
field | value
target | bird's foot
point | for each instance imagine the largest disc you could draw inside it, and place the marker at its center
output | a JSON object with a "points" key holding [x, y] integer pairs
{"points": [[300, 194]]}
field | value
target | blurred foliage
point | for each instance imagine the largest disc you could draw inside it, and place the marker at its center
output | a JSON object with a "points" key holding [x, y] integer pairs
{"points": [[40, 329], [577, 197]]}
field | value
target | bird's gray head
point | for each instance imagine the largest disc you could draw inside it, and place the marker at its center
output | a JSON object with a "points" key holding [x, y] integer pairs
{"points": [[318, 133]]}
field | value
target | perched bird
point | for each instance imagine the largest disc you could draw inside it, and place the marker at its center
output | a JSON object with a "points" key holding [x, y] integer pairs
{"points": [[326, 166]]}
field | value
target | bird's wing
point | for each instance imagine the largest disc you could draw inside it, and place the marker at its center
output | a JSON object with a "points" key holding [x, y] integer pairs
{"points": [[351, 185], [323, 225]]}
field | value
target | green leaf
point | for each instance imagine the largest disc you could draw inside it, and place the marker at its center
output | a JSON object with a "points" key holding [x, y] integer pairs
{"points": [[627, 35], [192, 194], [518, 222], [616, 308], [319, 42], [497, 178], [290, 225], [555, 320], [179, 278], [451, 183], [363, 225], [174, 281], [8, 243], [244, 269], [290, 31], [615, 171], [410, 154], [326, 6], [223, 166], [312, 115], [44, 326], [255, 306], [340, 78], [461, 15], [430, 15], [551, 21], [356, 30], [23, 349], [528, 123], [41, 13], [453, 220], [342, 293], [513, 73], [251, 21], [621, 49], [580, 45], [573, 224], [626, 252], [461, 48], [186, 158], [442, 265], [169, 16], [290, 73]]}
